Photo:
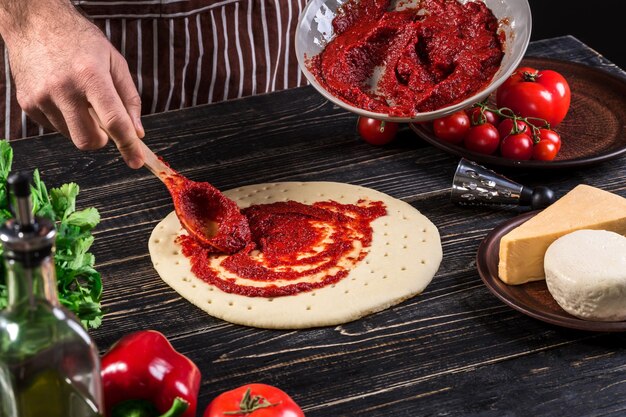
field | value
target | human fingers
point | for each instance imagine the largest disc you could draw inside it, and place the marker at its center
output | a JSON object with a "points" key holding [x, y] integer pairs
{"points": [[42, 109], [127, 91], [83, 130], [116, 121], [71, 118], [49, 111], [38, 117]]}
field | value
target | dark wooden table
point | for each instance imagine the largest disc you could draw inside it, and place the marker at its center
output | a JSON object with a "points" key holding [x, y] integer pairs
{"points": [[455, 350]]}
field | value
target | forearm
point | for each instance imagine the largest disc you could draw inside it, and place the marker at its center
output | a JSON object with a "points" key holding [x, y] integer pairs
{"points": [[19, 18]]}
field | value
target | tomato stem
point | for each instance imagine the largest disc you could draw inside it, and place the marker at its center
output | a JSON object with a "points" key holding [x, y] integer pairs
{"points": [[530, 76], [250, 403], [507, 113]]}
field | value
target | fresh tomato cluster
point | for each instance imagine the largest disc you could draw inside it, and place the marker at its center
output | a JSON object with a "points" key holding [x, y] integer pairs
{"points": [[513, 137], [529, 104]]}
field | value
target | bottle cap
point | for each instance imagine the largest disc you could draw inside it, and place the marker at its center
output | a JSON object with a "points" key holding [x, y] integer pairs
{"points": [[25, 238]]}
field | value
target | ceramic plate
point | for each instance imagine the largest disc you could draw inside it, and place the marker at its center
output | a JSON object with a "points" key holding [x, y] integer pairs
{"points": [[593, 131], [533, 298]]}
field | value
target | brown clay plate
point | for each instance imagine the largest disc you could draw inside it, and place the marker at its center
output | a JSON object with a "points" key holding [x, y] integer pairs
{"points": [[533, 298], [593, 131]]}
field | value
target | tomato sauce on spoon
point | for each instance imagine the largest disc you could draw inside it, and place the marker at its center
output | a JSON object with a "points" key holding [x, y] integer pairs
{"points": [[211, 218]]}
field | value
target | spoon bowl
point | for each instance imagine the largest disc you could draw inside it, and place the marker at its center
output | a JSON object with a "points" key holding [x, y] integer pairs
{"points": [[211, 218]]}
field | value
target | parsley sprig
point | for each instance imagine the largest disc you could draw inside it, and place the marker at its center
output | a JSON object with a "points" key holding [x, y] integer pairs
{"points": [[79, 284]]}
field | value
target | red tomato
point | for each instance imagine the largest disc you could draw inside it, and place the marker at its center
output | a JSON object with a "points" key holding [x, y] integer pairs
{"points": [[543, 94], [505, 128], [550, 136], [545, 150], [519, 146], [253, 400], [452, 128], [514, 78], [376, 132], [479, 116], [483, 139]]}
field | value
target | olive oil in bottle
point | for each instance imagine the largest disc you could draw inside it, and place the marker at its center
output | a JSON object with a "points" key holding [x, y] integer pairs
{"points": [[49, 366]]}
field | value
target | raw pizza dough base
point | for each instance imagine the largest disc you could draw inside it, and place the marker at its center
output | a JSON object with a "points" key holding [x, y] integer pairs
{"points": [[403, 258]]}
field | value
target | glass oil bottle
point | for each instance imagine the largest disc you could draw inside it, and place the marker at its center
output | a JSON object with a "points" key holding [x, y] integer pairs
{"points": [[49, 366]]}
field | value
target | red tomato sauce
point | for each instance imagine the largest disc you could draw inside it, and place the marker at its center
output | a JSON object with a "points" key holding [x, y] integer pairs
{"points": [[295, 247], [204, 209], [427, 57]]}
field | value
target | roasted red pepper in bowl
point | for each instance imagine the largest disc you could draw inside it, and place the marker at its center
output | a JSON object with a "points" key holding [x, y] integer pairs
{"points": [[144, 376]]}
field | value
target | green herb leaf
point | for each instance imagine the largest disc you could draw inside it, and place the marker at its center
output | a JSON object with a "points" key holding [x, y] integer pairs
{"points": [[6, 159], [42, 206], [85, 219], [64, 199], [79, 284], [3, 296]]}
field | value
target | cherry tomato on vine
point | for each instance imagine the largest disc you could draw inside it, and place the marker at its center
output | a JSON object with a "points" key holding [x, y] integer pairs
{"points": [[482, 138], [479, 116], [505, 127], [518, 146], [550, 136], [545, 150], [452, 128], [529, 92], [253, 400], [376, 132]]}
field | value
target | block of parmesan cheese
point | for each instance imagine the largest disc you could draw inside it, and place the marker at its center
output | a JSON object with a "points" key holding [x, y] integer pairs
{"points": [[522, 249]]}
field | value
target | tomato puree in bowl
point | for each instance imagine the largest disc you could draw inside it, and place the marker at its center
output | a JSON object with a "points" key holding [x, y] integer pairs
{"points": [[401, 62]]}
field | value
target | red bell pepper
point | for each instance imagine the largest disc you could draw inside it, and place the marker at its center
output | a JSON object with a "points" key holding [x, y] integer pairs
{"points": [[144, 376]]}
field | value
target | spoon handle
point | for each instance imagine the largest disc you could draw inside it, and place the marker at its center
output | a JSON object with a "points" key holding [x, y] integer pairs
{"points": [[154, 164], [151, 161]]}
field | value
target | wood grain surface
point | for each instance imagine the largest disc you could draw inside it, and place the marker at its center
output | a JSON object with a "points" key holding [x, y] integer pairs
{"points": [[455, 350]]}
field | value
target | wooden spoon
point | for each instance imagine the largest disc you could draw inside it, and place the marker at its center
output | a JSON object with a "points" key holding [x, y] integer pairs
{"points": [[211, 218]]}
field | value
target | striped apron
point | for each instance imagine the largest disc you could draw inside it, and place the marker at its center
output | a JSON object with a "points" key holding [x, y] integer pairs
{"points": [[186, 52]]}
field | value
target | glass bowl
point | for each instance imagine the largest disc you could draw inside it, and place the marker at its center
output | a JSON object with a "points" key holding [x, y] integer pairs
{"points": [[315, 30]]}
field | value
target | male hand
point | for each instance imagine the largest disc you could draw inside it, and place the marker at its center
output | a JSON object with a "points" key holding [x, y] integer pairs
{"points": [[62, 64]]}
